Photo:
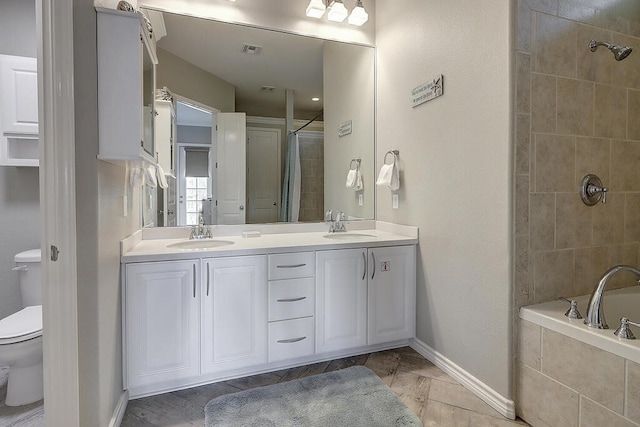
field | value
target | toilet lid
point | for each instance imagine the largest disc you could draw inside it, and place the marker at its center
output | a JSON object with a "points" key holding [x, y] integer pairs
{"points": [[21, 326]]}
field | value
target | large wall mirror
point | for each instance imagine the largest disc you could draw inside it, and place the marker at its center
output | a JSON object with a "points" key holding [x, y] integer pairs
{"points": [[233, 82]]}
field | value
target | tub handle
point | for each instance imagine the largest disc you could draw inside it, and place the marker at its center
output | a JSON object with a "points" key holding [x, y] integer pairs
{"points": [[623, 331], [573, 312]]}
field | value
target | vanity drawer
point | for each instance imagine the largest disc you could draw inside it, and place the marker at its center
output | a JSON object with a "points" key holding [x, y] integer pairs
{"points": [[291, 265], [291, 298], [289, 339]]}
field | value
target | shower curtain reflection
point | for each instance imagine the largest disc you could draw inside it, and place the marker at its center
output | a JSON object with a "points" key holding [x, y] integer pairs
{"points": [[290, 207]]}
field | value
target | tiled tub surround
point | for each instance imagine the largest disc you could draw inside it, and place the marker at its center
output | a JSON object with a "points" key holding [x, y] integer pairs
{"points": [[576, 112], [572, 375]]}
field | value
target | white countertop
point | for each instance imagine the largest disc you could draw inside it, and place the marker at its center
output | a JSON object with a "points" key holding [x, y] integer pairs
{"points": [[138, 249]]}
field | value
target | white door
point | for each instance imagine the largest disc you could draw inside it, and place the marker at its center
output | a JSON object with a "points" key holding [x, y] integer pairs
{"points": [[341, 299], [19, 100], [391, 294], [162, 322], [234, 304], [231, 166], [263, 175]]}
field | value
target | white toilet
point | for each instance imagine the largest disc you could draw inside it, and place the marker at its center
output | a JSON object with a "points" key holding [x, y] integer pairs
{"points": [[21, 335]]}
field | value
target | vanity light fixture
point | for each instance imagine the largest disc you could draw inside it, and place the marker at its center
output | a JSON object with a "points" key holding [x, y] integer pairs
{"points": [[316, 9], [315, 99], [337, 11], [358, 15]]}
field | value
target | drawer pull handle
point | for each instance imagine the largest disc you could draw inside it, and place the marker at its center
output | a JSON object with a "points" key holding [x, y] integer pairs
{"points": [[291, 299], [291, 266], [292, 340]]}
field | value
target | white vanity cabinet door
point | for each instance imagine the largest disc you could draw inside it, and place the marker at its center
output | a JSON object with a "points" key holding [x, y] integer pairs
{"points": [[391, 296], [234, 303], [341, 299], [162, 322]]}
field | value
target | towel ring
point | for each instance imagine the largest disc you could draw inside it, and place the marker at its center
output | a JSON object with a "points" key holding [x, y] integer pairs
{"points": [[357, 161], [394, 153]]}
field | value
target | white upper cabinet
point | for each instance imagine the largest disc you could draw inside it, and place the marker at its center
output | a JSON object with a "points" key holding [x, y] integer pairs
{"points": [[18, 111], [165, 134], [126, 86]]}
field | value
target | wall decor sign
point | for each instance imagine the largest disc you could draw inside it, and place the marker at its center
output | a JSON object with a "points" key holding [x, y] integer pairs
{"points": [[344, 128], [427, 91]]}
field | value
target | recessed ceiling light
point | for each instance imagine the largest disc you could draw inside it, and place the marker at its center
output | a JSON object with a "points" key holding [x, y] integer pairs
{"points": [[315, 99]]}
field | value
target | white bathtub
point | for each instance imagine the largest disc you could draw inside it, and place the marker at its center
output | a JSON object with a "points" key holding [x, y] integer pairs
{"points": [[618, 303]]}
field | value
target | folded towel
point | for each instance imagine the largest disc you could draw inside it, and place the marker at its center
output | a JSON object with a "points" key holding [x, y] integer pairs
{"points": [[351, 178], [389, 177], [162, 180]]}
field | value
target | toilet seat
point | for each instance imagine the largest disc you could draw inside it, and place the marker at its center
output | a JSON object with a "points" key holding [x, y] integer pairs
{"points": [[22, 326]]}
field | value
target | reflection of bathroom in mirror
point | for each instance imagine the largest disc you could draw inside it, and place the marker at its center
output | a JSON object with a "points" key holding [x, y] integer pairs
{"points": [[234, 82]]}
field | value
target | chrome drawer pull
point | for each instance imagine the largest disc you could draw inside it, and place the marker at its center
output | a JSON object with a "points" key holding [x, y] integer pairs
{"points": [[292, 340], [290, 299], [291, 266]]}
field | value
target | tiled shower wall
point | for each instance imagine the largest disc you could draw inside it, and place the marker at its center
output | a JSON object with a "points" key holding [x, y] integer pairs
{"points": [[577, 112]]}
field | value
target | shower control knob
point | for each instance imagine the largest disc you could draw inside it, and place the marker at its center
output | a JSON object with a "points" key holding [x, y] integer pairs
{"points": [[592, 190]]}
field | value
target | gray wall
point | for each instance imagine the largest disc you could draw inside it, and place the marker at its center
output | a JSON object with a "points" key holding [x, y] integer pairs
{"points": [[19, 194], [185, 79], [455, 154]]}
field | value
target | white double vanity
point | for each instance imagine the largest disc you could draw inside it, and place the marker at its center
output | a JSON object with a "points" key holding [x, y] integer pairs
{"points": [[200, 311]]}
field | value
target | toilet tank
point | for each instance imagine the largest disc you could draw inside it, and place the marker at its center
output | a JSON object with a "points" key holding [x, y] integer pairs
{"points": [[29, 276]]}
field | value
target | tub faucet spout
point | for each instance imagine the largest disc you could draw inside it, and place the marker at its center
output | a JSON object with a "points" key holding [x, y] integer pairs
{"points": [[595, 311]]}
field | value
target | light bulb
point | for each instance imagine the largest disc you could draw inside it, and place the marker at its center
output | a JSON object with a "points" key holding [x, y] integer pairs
{"points": [[358, 15], [316, 9], [337, 11]]}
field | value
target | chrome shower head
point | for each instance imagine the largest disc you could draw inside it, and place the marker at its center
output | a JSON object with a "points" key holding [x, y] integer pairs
{"points": [[619, 52]]}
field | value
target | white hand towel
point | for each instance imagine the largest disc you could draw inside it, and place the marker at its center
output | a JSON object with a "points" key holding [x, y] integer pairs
{"points": [[351, 178], [359, 184], [136, 177], [162, 180], [150, 176], [389, 177]]}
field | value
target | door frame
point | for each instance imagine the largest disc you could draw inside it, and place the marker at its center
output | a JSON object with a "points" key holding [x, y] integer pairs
{"points": [[180, 177], [56, 116]]}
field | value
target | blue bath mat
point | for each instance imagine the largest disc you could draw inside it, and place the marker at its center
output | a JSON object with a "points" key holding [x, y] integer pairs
{"points": [[353, 397]]}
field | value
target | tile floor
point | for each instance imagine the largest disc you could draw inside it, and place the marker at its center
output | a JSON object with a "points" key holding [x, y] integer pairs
{"points": [[436, 398]]}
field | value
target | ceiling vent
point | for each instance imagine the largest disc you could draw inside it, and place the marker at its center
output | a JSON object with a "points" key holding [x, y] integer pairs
{"points": [[252, 49], [267, 89]]}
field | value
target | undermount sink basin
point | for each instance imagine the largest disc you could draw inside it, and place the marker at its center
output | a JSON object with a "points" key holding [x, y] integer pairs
{"points": [[200, 244], [350, 236]]}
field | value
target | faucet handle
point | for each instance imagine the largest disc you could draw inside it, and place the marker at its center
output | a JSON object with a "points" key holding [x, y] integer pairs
{"points": [[573, 312], [193, 232], [329, 215], [623, 331]]}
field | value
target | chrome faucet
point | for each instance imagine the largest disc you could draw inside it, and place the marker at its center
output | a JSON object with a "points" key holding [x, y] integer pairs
{"points": [[595, 311], [335, 225], [201, 231]]}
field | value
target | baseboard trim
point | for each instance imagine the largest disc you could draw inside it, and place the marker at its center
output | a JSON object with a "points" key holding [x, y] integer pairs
{"points": [[506, 407], [121, 407]]}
